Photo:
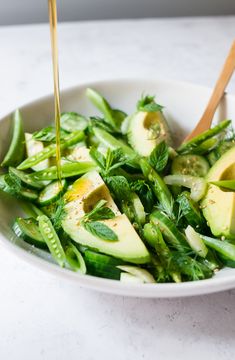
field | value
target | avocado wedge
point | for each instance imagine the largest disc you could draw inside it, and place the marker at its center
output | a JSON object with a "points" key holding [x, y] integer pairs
{"points": [[80, 199], [146, 130], [219, 204]]}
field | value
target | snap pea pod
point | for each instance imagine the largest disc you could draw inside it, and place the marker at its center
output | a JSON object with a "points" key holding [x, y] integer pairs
{"points": [[101, 103], [16, 150], [169, 231], [112, 143], [67, 170], [51, 239], [75, 259], [221, 246], [190, 145], [155, 239], [25, 178], [50, 150], [159, 187]]}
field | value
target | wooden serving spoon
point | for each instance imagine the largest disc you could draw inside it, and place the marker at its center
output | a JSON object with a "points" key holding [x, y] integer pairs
{"points": [[218, 93]]}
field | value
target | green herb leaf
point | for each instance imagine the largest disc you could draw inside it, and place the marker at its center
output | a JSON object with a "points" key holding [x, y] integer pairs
{"points": [[100, 230], [147, 103], [144, 190], [119, 186], [48, 134], [159, 156], [59, 214], [99, 212], [96, 121], [13, 182]]}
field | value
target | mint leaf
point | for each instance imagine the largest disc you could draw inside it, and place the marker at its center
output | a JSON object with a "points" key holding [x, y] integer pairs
{"points": [[13, 182], [99, 212], [48, 134], [119, 186], [100, 230], [147, 103], [159, 156], [145, 193]]}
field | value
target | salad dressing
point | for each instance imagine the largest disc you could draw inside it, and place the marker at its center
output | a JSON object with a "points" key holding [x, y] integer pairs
{"points": [[52, 9]]}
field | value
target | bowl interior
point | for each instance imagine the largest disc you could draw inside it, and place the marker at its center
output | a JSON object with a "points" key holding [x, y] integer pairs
{"points": [[184, 105]]}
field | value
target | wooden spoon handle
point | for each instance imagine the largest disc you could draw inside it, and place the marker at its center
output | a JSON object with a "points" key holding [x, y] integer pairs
{"points": [[225, 75]]}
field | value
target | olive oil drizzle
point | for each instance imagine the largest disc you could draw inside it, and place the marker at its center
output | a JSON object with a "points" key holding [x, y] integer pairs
{"points": [[52, 9]]}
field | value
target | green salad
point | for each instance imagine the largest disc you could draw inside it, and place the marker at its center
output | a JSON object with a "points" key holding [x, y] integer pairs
{"points": [[131, 206]]}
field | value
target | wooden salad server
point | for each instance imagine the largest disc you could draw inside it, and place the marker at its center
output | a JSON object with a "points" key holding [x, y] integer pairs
{"points": [[218, 93]]}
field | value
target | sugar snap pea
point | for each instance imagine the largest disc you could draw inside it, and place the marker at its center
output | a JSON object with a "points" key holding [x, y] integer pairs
{"points": [[67, 170], [190, 145], [50, 150], [51, 239]]}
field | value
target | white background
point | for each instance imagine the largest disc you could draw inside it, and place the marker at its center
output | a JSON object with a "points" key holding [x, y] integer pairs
{"points": [[43, 317], [30, 11]]}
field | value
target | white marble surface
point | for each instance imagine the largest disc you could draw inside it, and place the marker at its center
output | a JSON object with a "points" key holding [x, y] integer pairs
{"points": [[43, 317]]}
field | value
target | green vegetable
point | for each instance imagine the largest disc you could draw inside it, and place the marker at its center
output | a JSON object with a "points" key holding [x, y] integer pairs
{"points": [[159, 156], [102, 105], [50, 150], [16, 150], [75, 259], [223, 247], [190, 210], [28, 230], [102, 265], [52, 192], [190, 145], [169, 230], [51, 239], [195, 241], [25, 178], [197, 185], [48, 134], [72, 121], [226, 184], [147, 103], [67, 170], [159, 187], [112, 143], [194, 165]]}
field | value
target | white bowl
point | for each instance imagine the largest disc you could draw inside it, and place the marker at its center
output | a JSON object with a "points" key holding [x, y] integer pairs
{"points": [[184, 104]]}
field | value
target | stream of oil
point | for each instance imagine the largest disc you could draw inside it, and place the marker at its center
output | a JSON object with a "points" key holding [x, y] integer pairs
{"points": [[52, 8]]}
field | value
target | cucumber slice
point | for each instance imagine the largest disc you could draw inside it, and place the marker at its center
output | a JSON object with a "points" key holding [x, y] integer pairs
{"points": [[197, 185], [190, 210], [52, 192], [16, 150], [102, 265], [195, 242], [72, 121], [28, 230], [142, 274], [194, 165]]}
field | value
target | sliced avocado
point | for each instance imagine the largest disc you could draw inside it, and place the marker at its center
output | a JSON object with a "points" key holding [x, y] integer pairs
{"points": [[146, 130], [219, 205], [81, 198]]}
